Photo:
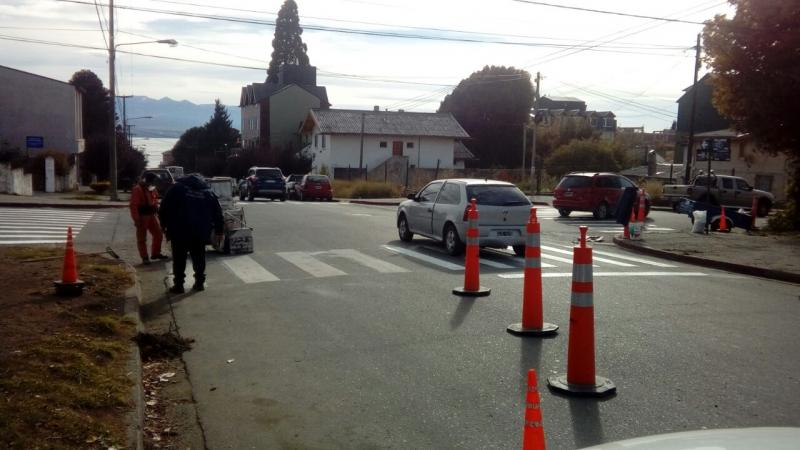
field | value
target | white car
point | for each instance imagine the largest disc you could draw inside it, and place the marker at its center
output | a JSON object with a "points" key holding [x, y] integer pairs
{"points": [[439, 211]]}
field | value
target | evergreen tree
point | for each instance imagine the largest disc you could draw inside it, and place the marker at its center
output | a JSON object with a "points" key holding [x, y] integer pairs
{"points": [[206, 149], [287, 46], [493, 105]]}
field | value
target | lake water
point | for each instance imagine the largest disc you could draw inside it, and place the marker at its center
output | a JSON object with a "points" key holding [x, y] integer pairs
{"points": [[153, 148]]}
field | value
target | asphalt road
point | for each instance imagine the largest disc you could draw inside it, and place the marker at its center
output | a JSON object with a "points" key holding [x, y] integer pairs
{"points": [[334, 334]]}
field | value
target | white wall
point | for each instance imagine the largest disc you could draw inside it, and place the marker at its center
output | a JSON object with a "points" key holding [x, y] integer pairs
{"points": [[249, 127], [15, 181], [344, 150]]}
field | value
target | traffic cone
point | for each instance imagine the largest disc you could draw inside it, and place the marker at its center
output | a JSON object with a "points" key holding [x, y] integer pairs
{"points": [[633, 227], [532, 320], [69, 285], [533, 432], [723, 222], [472, 283], [580, 378]]}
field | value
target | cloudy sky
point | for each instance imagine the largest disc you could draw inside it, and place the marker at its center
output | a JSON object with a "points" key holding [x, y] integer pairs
{"points": [[394, 53]]}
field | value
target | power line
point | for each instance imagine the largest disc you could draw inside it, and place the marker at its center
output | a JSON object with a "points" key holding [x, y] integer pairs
{"points": [[615, 13], [100, 20], [369, 32]]}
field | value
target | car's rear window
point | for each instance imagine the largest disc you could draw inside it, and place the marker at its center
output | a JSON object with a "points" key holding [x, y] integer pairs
{"points": [[269, 173], [495, 195], [318, 179], [575, 182]]}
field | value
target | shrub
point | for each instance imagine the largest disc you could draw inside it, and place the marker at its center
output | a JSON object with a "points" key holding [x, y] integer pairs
{"points": [[364, 189], [655, 189], [100, 187]]}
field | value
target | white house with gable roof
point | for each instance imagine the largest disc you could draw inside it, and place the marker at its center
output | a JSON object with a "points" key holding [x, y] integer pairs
{"points": [[333, 138]]}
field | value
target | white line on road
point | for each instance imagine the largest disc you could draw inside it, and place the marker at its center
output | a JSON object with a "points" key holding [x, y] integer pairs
{"points": [[423, 257], [60, 229], [30, 232], [607, 261], [248, 270], [634, 259], [33, 242], [358, 214], [611, 274], [366, 260], [496, 265], [521, 260], [313, 266]]}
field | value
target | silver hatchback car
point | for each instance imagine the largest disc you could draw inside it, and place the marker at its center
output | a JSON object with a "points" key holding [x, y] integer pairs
{"points": [[439, 211]]}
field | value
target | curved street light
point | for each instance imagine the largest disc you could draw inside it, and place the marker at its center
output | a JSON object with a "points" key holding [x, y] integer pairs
{"points": [[112, 48]]}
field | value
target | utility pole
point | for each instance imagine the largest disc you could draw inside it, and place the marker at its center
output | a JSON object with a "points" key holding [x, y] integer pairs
{"points": [[533, 137], [361, 152], [112, 169], [689, 147], [524, 138]]}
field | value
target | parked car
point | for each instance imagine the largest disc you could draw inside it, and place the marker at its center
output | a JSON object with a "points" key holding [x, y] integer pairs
{"points": [[176, 171], [314, 187], [267, 182], [291, 180], [595, 192], [164, 180], [724, 190], [439, 211]]}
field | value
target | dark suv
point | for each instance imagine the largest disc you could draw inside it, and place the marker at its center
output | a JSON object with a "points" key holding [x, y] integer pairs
{"points": [[597, 193], [267, 182]]}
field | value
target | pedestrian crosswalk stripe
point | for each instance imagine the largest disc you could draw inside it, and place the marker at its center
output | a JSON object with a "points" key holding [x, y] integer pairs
{"points": [[27, 230], [21, 226], [609, 274], [368, 261], [422, 257], [519, 261], [607, 261], [59, 228], [37, 241], [308, 263], [496, 265], [248, 270], [634, 259]]}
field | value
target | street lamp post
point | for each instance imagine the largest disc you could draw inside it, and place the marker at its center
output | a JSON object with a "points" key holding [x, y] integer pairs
{"points": [[112, 48]]}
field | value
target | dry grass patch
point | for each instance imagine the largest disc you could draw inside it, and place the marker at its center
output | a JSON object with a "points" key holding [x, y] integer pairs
{"points": [[365, 189]]}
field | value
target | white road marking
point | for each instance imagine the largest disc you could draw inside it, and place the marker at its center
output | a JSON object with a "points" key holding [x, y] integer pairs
{"points": [[59, 228], [366, 260], [422, 257], [621, 229], [634, 259], [496, 265], [30, 232], [557, 258], [308, 263], [610, 274], [509, 253], [607, 261], [27, 242], [359, 214], [248, 270]]}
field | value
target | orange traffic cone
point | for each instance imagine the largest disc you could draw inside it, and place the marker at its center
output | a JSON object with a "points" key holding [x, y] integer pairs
{"points": [[69, 285], [580, 378], [533, 432], [532, 316], [723, 222], [472, 283]]}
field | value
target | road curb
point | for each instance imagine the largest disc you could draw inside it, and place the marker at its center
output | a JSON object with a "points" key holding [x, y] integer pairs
{"points": [[712, 263], [133, 300], [59, 205]]}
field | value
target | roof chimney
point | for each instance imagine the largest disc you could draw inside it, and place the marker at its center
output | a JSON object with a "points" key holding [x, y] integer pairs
{"points": [[376, 108]]}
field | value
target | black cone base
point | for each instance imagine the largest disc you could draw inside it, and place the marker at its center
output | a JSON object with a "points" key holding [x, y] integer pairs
{"points": [[546, 330], [69, 289], [481, 292], [601, 387]]}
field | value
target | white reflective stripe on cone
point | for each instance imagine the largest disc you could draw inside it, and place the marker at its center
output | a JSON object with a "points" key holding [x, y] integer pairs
{"points": [[533, 263], [583, 299], [532, 240], [582, 273]]}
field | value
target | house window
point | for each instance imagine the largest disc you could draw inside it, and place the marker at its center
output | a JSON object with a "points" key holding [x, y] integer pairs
{"points": [[315, 138], [383, 144], [323, 141], [409, 145]]}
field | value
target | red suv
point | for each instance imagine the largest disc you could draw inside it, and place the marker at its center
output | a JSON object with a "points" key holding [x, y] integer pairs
{"points": [[594, 192], [314, 186]]}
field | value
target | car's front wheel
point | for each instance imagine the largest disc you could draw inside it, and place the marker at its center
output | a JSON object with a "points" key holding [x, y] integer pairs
{"points": [[601, 212], [402, 229], [452, 243], [563, 212]]}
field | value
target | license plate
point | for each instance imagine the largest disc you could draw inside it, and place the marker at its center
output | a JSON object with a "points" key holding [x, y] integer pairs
{"points": [[317, 187], [505, 233], [568, 194]]}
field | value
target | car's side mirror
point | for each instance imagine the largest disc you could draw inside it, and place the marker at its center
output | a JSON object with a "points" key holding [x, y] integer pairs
{"points": [[412, 196]]}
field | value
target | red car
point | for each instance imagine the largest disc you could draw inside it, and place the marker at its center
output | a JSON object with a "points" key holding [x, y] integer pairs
{"points": [[314, 186], [597, 193]]}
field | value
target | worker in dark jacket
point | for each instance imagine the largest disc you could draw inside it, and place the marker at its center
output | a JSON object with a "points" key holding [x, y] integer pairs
{"points": [[188, 213]]}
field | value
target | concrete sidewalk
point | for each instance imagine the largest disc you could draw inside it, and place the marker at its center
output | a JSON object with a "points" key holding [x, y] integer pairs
{"points": [[774, 256]]}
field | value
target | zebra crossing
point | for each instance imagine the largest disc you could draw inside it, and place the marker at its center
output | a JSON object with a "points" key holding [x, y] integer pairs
{"points": [[597, 226], [398, 259], [24, 226]]}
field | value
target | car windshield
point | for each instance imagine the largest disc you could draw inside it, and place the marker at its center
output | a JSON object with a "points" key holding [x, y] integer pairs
{"points": [[497, 195], [318, 179], [268, 173], [575, 182]]}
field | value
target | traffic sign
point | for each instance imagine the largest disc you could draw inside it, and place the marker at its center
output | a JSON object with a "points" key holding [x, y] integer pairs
{"points": [[34, 141]]}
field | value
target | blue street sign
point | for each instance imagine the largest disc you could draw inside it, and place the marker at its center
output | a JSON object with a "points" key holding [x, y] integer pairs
{"points": [[34, 141]]}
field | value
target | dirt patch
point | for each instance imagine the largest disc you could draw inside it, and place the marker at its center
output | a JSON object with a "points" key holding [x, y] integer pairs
{"points": [[63, 361]]}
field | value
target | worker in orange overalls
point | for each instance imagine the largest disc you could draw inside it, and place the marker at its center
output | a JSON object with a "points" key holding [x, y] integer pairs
{"points": [[144, 212]]}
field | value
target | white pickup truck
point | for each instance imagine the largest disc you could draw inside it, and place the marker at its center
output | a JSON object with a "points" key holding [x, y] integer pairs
{"points": [[725, 190]]}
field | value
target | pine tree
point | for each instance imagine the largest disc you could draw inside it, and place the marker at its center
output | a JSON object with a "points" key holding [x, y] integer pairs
{"points": [[287, 46]]}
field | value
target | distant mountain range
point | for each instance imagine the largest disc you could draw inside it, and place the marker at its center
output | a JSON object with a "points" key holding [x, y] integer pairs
{"points": [[170, 118]]}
